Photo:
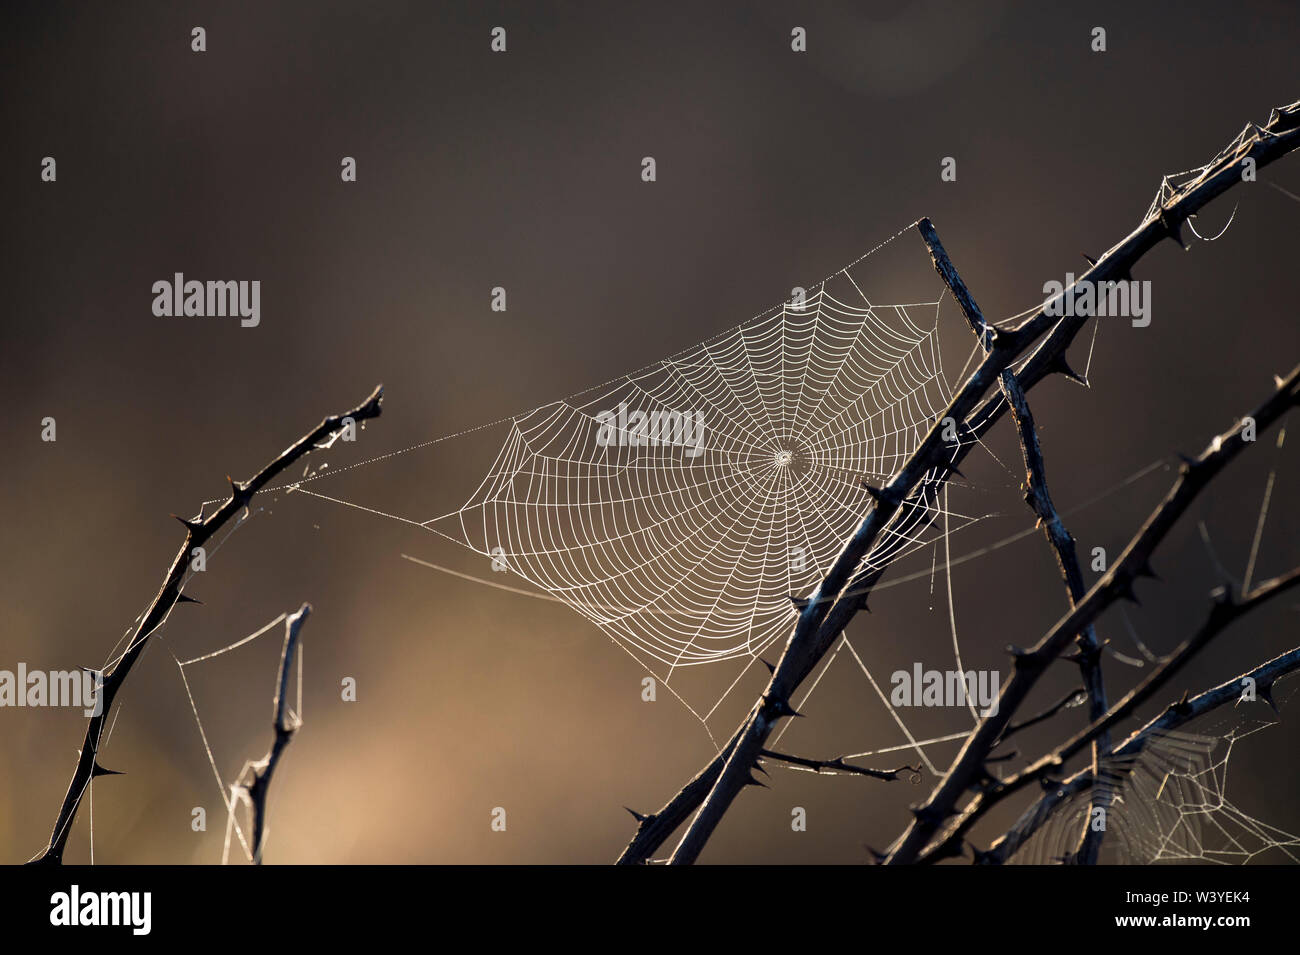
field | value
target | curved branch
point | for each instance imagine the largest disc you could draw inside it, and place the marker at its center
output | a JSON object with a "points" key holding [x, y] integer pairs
{"points": [[198, 531]]}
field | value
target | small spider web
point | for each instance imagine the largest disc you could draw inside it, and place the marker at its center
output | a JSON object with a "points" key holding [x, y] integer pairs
{"points": [[1170, 803]]}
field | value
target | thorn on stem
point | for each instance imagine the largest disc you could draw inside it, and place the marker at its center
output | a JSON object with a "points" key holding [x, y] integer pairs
{"points": [[238, 491], [1060, 366], [927, 815], [1173, 224], [782, 707], [190, 525]]}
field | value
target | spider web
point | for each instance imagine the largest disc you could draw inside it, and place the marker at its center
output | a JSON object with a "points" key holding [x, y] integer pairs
{"points": [[1169, 803], [686, 546], [688, 552], [687, 507]]}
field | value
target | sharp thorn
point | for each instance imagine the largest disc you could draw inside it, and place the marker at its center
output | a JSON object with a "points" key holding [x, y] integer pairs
{"points": [[1061, 367], [187, 599], [98, 770], [926, 815], [238, 491], [800, 603], [783, 708], [771, 667], [190, 525], [639, 817], [1090, 260], [1173, 228]]}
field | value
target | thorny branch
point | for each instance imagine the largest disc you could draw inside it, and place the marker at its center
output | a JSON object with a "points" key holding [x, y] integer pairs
{"points": [[1070, 699], [1039, 500], [1174, 716], [968, 770], [1224, 612], [198, 530], [839, 765], [285, 725], [844, 589]]}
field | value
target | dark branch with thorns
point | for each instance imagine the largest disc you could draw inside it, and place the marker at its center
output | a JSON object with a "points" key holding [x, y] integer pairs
{"points": [[198, 531], [844, 590]]}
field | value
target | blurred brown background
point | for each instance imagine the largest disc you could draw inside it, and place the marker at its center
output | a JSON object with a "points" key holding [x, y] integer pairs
{"points": [[522, 170]]}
